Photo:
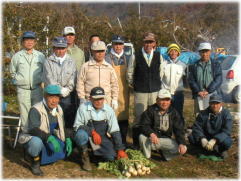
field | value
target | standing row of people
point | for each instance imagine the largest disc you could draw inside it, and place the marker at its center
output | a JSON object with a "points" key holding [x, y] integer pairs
{"points": [[99, 86]]}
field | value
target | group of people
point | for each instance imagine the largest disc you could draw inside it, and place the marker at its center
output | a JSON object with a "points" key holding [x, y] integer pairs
{"points": [[75, 99]]}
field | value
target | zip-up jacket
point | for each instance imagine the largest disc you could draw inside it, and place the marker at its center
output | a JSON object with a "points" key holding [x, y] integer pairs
{"points": [[150, 123], [92, 75], [214, 85], [27, 74], [63, 75]]}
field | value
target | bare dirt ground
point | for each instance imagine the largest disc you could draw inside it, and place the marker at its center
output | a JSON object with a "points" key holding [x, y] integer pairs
{"points": [[187, 166]]}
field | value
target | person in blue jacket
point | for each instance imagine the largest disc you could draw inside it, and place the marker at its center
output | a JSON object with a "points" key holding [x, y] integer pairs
{"points": [[205, 76], [212, 128]]}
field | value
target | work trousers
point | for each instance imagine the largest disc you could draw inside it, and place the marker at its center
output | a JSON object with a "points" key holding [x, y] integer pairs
{"points": [[142, 101], [26, 99], [168, 147], [178, 101], [34, 146]]}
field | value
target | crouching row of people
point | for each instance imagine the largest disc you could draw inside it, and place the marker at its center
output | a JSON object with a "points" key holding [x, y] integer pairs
{"points": [[47, 140], [160, 128]]}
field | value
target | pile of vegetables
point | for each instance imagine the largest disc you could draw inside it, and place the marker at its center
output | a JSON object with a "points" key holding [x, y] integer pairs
{"points": [[135, 165]]}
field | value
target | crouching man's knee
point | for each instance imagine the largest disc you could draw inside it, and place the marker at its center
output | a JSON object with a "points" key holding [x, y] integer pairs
{"points": [[34, 146], [81, 137], [226, 144]]}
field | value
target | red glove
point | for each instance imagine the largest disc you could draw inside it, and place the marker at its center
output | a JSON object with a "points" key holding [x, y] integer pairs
{"points": [[96, 137], [121, 154]]}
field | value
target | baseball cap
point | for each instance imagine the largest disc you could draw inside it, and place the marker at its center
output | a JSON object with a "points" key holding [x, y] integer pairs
{"points": [[149, 37], [52, 89], [98, 45], [97, 93], [29, 34], [60, 42], [68, 30], [204, 46], [118, 39], [215, 98], [173, 46], [164, 93]]}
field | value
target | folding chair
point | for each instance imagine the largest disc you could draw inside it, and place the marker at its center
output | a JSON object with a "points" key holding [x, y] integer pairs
{"points": [[8, 126]]}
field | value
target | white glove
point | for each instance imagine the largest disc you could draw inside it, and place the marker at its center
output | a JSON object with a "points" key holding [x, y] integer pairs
{"points": [[210, 144], [204, 142], [64, 91], [114, 104]]}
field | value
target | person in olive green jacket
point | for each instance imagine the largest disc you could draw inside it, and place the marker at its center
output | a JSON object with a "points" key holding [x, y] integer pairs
{"points": [[73, 50], [26, 69]]}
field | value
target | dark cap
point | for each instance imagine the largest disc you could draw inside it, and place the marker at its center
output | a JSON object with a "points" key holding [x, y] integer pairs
{"points": [[97, 93], [117, 39], [60, 42], [215, 98], [29, 34]]}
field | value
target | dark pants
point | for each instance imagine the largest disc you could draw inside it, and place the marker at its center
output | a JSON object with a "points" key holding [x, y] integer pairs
{"points": [[178, 101], [223, 146], [123, 124], [68, 104]]}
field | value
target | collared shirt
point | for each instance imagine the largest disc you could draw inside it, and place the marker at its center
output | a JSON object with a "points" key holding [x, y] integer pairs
{"points": [[77, 55], [87, 112]]}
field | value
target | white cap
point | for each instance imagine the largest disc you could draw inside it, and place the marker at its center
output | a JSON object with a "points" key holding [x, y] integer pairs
{"points": [[204, 46], [164, 93], [68, 30], [98, 45]]}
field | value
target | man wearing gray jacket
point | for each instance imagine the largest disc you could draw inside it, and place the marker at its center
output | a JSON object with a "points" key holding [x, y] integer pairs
{"points": [[60, 69]]}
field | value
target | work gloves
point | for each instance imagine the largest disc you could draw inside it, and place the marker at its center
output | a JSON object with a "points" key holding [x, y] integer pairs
{"points": [[96, 137], [121, 154], [211, 144], [114, 104], [204, 142], [64, 91], [51, 139], [208, 144], [69, 148]]}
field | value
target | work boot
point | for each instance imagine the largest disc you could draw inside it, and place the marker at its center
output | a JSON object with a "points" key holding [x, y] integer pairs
{"points": [[85, 160], [35, 167]]}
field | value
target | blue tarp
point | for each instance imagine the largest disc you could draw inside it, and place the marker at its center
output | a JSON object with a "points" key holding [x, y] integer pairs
{"points": [[189, 57]]}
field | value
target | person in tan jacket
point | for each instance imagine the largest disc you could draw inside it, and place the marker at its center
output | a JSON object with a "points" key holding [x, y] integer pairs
{"points": [[98, 73]]}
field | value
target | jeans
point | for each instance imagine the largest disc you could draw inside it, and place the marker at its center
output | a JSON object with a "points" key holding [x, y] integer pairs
{"points": [[34, 146], [81, 138]]}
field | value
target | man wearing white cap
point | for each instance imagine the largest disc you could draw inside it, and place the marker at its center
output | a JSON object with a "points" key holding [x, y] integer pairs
{"points": [[157, 124], [73, 50], [98, 73], [205, 76]]}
